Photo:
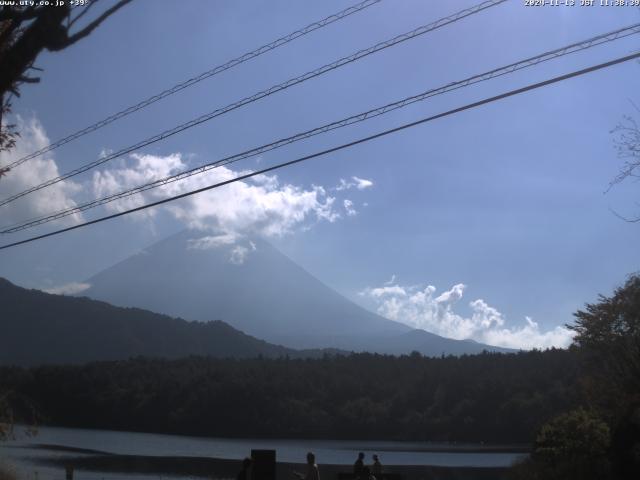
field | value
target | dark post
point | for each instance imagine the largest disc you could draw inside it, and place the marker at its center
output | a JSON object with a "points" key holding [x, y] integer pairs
{"points": [[263, 465]]}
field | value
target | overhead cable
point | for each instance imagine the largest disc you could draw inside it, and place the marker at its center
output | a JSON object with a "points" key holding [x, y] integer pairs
{"points": [[198, 78], [334, 149], [262, 94], [497, 72]]}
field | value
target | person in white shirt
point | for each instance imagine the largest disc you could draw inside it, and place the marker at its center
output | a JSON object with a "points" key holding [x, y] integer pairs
{"points": [[312, 469]]}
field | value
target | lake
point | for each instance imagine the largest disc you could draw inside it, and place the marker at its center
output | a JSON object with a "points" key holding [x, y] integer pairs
{"points": [[31, 454]]}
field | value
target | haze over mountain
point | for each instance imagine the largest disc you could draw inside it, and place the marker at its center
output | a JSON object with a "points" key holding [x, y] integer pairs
{"points": [[258, 290], [41, 328]]}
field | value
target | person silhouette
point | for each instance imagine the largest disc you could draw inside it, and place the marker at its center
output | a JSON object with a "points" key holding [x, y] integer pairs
{"points": [[376, 468], [244, 473], [358, 467], [312, 469]]}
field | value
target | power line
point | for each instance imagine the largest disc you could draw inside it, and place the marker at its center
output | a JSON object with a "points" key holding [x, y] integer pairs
{"points": [[198, 78], [338, 148], [529, 62], [264, 93]]}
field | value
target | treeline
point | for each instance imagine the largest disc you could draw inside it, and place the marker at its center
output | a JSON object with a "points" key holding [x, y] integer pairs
{"points": [[489, 397]]}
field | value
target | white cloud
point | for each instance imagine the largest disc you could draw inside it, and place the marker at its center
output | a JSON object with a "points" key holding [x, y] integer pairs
{"points": [[348, 206], [105, 152], [391, 280], [31, 173], [362, 183], [420, 309], [146, 168], [379, 292], [238, 255], [356, 182], [72, 288], [261, 205], [530, 334], [212, 241]]}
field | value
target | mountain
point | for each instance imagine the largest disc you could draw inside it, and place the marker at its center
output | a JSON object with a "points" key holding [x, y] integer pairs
{"points": [[41, 328], [260, 291]]}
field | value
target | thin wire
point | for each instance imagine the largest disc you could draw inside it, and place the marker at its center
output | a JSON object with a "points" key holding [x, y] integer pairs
{"points": [[198, 78], [335, 149], [529, 62], [264, 93]]}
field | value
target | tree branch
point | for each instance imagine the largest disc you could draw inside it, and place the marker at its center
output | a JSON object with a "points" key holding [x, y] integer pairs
{"points": [[82, 13], [622, 217], [91, 27]]}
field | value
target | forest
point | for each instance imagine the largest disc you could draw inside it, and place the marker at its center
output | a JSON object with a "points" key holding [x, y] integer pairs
{"points": [[490, 397]]}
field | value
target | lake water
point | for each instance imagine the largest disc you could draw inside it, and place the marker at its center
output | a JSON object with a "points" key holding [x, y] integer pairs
{"points": [[27, 456]]}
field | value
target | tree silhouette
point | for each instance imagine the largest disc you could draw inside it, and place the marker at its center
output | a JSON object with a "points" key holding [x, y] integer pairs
{"points": [[627, 144]]}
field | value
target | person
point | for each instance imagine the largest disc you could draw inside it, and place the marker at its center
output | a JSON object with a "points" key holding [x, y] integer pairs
{"points": [[244, 473], [312, 469], [358, 467], [376, 468]]}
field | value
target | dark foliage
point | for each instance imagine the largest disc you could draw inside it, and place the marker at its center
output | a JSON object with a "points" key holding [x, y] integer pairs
{"points": [[608, 333], [489, 397], [613, 320], [602, 442]]}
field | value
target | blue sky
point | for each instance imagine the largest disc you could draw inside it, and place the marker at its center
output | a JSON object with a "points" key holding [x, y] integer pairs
{"points": [[507, 199]]}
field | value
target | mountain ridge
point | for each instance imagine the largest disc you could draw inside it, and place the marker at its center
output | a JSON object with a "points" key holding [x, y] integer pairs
{"points": [[43, 328]]}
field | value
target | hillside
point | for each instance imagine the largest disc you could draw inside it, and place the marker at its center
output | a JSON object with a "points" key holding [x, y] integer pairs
{"points": [[41, 328]]}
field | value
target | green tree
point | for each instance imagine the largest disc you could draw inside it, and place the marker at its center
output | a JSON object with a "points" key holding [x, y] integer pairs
{"points": [[579, 439], [612, 320], [608, 332], [574, 445], [608, 337]]}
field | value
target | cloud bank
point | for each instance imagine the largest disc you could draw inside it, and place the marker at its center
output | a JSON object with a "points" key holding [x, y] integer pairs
{"points": [[33, 172], [261, 205], [422, 308]]}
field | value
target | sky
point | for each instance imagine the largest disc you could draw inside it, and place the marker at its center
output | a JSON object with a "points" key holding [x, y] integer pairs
{"points": [[494, 224]]}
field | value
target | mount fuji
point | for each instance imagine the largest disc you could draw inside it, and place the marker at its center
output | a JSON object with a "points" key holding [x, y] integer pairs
{"points": [[255, 288]]}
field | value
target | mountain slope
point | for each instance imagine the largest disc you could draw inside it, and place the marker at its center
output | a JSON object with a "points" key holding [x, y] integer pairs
{"points": [[428, 344], [263, 293], [267, 295], [40, 328]]}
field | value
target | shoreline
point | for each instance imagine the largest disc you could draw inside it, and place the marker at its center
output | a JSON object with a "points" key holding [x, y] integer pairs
{"points": [[384, 444], [426, 449], [223, 468]]}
